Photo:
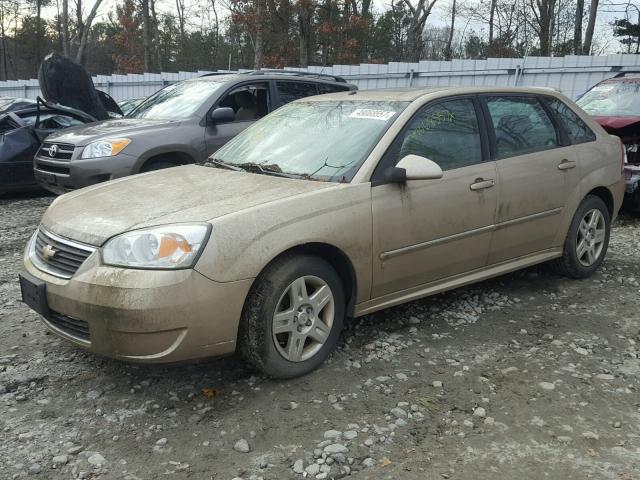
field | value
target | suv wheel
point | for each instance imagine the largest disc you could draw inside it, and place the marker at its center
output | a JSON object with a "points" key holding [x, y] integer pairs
{"points": [[587, 241], [293, 316]]}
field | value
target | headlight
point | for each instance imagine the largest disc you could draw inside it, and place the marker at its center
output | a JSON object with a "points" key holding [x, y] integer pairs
{"points": [[168, 246], [105, 148]]}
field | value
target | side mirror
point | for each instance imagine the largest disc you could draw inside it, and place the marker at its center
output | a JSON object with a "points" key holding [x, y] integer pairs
{"points": [[222, 115], [414, 167]]}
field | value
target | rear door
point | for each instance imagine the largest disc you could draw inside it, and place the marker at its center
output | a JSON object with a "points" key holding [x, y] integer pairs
{"points": [[537, 172], [249, 101]]}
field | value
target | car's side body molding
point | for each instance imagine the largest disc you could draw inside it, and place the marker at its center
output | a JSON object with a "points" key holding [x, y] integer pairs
{"points": [[450, 283], [468, 233]]}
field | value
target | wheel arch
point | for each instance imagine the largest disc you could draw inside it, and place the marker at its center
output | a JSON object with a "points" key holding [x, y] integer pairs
{"points": [[335, 257], [606, 196], [176, 156]]}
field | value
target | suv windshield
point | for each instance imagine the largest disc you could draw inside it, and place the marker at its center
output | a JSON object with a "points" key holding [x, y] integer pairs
{"points": [[322, 140], [612, 99], [176, 102]]}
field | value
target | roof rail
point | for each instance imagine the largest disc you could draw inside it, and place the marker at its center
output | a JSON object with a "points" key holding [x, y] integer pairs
{"points": [[267, 71], [624, 74], [211, 74]]}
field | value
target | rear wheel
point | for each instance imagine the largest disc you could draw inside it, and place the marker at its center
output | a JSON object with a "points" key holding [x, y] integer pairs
{"points": [[587, 241], [293, 316]]}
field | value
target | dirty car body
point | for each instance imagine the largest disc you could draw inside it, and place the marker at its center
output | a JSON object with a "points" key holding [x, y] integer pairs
{"points": [[331, 207], [615, 105]]}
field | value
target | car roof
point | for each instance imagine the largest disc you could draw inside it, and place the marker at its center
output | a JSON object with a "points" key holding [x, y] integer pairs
{"points": [[268, 75], [411, 94]]}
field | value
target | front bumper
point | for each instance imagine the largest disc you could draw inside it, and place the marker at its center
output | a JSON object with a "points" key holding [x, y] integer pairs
{"points": [[142, 315], [61, 176]]}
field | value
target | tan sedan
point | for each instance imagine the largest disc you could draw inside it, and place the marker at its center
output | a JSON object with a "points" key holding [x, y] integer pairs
{"points": [[329, 208]]}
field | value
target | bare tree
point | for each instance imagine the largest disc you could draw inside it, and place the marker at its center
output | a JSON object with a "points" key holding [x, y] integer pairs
{"points": [[448, 51], [577, 31], [591, 25], [258, 42], [544, 13], [146, 34], [419, 15], [84, 28], [65, 28], [156, 34]]}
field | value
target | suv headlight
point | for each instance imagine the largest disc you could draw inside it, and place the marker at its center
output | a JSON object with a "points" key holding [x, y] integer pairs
{"points": [[105, 148], [165, 247]]}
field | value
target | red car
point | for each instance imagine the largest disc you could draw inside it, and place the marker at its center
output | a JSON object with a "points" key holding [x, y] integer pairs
{"points": [[615, 104]]}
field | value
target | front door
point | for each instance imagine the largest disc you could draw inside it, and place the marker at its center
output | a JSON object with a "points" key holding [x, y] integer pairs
{"points": [[250, 102], [536, 173], [426, 230]]}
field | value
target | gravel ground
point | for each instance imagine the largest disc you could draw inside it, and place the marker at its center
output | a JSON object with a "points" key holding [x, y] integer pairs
{"points": [[529, 374]]}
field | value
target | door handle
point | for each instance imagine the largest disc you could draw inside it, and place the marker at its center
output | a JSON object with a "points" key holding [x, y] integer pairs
{"points": [[481, 184], [566, 164]]}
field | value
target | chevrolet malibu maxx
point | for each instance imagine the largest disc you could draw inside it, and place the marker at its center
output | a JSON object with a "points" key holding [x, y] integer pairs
{"points": [[329, 208]]}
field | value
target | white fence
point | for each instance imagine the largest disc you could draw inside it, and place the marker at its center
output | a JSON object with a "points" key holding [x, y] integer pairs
{"points": [[572, 75]]}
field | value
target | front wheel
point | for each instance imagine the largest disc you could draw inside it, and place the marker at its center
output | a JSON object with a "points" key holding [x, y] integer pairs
{"points": [[587, 240], [293, 316]]}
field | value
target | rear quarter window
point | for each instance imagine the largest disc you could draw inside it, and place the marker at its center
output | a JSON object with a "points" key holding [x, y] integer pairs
{"points": [[576, 128]]}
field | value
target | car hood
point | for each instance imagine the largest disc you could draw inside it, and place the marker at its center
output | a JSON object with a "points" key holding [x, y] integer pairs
{"points": [[176, 195], [612, 124], [85, 134]]}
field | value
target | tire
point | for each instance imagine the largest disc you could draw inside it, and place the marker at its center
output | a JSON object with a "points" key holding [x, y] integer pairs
{"points": [[153, 166], [295, 348], [575, 262]]}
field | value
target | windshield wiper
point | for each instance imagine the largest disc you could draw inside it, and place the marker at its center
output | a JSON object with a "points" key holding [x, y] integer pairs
{"points": [[220, 164], [272, 169]]}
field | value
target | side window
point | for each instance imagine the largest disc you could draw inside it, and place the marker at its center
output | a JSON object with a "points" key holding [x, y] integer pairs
{"points": [[446, 133], [249, 102], [575, 127], [521, 126], [324, 88], [290, 91]]}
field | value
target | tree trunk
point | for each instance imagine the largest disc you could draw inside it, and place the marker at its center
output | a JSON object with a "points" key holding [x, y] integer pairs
{"points": [[38, 34], [217, 32], [577, 31], [86, 29], [65, 28], [258, 42], [304, 22], [591, 25], [156, 36], [492, 13], [146, 35], [448, 51]]}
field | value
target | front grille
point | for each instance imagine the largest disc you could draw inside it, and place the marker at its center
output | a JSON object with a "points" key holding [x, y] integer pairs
{"points": [[52, 168], [56, 151], [71, 326], [58, 256]]}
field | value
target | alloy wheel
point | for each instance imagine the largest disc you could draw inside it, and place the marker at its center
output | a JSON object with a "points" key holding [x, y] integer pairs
{"points": [[591, 237], [303, 318]]}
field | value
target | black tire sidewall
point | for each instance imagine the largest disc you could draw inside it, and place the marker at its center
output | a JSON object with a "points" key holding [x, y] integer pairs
{"points": [[255, 336], [570, 249]]}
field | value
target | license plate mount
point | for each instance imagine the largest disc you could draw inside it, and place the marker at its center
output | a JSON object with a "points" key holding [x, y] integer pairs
{"points": [[34, 293]]}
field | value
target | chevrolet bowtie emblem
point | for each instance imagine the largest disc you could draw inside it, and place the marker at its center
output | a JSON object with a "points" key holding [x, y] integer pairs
{"points": [[48, 252]]}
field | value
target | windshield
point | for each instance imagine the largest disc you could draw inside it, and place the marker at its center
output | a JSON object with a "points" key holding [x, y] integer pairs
{"points": [[323, 140], [612, 99], [176, 102]]}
